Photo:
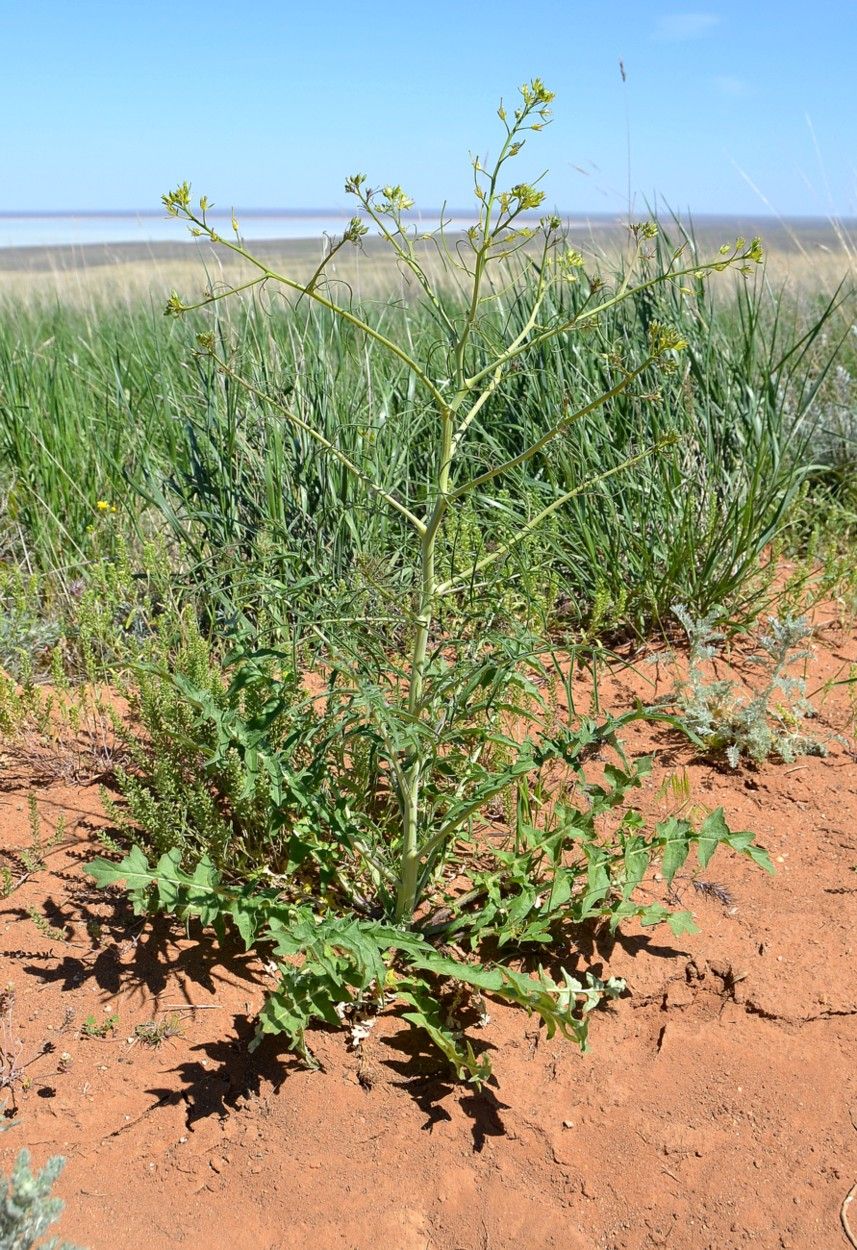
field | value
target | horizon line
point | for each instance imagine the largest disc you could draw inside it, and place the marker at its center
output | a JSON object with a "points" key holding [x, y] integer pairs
{"points": [[108, 214]]}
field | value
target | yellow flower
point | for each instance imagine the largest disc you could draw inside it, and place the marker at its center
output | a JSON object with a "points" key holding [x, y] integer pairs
{"points": [[103, 506]]}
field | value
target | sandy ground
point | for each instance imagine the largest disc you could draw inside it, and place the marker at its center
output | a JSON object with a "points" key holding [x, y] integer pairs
{"points": [[716, 1110]]}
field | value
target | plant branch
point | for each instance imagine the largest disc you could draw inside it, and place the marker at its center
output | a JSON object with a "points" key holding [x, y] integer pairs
{"points": [[450, 587], [406, 255], [306, 289], [624, 292], [552, 433], [323, 442]]}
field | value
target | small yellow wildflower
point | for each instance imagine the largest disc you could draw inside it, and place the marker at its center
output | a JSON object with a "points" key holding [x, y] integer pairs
{"points": [[103, 506]]}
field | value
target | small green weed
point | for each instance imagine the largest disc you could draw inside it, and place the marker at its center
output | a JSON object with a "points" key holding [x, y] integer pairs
{"points": [[59, 733], [155, 1032], [32, 857], [29, 627], [94, 1028], [44, 926]]}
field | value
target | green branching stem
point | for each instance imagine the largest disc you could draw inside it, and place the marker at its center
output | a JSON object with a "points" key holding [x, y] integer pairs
{"points": [[457, 402], [326, 259], [452, 587], [497, 376], [591, 314], [406, 255], [554, 432], [487, 201], [302, 288], [407, 895]]}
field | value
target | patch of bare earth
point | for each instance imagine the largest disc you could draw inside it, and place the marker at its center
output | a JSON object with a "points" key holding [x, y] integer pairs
{"points": [[717, 1108]]}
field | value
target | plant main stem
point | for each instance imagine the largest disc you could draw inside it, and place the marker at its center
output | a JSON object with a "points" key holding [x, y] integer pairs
{"points": [[406, 900]]}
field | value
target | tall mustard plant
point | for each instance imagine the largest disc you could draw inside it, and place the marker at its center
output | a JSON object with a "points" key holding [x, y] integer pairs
{"points": [[370, 799], [474, 371]]}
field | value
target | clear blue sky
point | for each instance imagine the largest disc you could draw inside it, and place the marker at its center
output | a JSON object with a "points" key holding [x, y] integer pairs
{"points": [[271, 103]]}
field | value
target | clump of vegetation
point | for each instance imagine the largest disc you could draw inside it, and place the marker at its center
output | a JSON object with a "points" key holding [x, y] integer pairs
{"points": [[94, 1028], [52, 932], [65, 731], [346, 829], [29, 630], [28, 860], [835, 433], [822, 527], [758, 726], [194, 779], [154, 1033], [27, 1209], [33, 857]]}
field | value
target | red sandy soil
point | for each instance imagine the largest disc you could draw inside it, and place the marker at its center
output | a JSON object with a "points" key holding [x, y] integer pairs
{"points": [[716, 1109]]}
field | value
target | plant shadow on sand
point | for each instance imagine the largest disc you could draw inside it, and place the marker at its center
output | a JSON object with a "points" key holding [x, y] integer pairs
{"points": [[149, 958], [161, 959], [423, 1082], [237, 1074]]}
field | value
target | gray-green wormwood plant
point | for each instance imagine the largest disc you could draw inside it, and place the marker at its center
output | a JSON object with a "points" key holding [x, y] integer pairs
{"points": [[27, 1209], [771, 721]]}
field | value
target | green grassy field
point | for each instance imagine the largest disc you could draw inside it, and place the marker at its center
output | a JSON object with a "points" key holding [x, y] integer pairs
{"points": [[108, 402]]}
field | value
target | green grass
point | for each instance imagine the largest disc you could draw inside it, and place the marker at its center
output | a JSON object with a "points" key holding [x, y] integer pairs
{"points": [[113, 404]]}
